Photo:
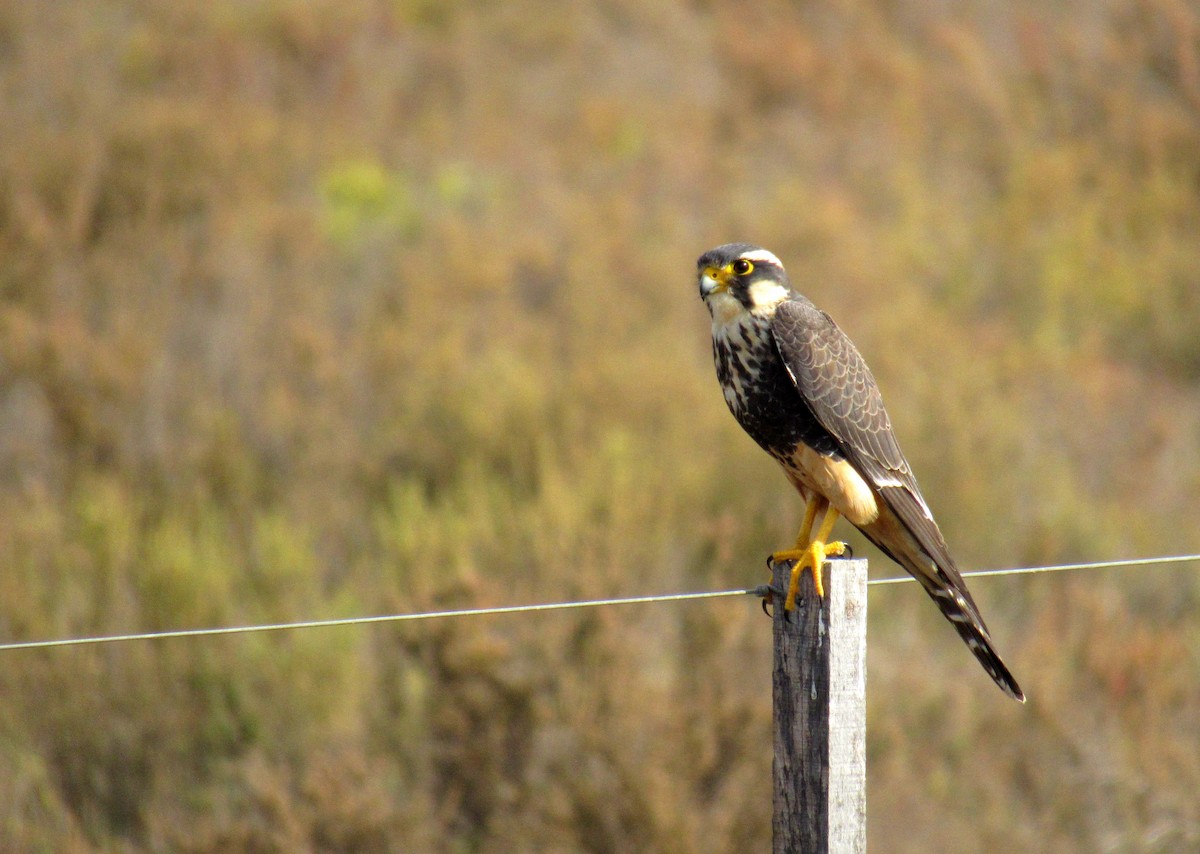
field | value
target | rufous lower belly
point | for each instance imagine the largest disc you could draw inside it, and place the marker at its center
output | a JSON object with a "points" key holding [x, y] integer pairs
{"points": [[835, 479]]}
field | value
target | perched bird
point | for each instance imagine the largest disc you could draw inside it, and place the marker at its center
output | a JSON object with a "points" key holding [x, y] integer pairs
{"points": [[798, 386]]}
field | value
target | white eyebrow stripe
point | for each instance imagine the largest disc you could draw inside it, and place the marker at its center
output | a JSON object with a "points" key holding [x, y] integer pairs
{"points": [[764, 255]]}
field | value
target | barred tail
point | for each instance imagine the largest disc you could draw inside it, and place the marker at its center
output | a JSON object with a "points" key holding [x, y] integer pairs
{"points": [[925, 556], [970, 627]]}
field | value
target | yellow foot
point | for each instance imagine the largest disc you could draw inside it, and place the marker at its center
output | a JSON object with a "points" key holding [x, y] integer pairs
{"points": [[813, 556]]}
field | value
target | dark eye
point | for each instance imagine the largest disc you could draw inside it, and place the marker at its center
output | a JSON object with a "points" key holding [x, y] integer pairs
{"points": [[742, 267]]}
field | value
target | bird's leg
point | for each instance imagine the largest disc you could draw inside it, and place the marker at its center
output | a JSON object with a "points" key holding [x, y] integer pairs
{"points": [[810, 516], [811, 553], [798, 552], [819, 549]]}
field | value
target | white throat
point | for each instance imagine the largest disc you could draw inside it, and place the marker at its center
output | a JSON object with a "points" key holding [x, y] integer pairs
{"points": [[725, 309]]}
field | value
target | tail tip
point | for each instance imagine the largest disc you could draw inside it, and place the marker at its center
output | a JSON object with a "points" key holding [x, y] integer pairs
{"points": [[1009, 686]]}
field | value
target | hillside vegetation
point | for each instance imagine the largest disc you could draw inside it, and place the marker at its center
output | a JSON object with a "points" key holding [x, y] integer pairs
{"points": [[328, 308]]}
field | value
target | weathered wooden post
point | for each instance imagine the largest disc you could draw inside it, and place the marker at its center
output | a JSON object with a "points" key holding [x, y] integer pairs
{"points": [[819, 686]]}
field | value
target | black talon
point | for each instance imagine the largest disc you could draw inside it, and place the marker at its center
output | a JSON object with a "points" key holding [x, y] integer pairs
{"points": [[768, 595], [768, 592]]}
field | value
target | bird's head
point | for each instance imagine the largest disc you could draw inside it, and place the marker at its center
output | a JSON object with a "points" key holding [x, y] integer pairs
{"points": [[738, 278]]}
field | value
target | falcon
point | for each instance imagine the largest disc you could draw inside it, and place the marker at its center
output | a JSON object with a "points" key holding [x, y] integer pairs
{"points": [[798, 386]]}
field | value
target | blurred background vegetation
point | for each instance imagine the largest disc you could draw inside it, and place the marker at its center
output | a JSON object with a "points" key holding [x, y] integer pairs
{"points": [[329, 308]]}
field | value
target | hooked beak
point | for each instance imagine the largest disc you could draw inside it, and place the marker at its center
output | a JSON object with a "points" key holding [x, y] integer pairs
{"points": [[713, 280]]}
